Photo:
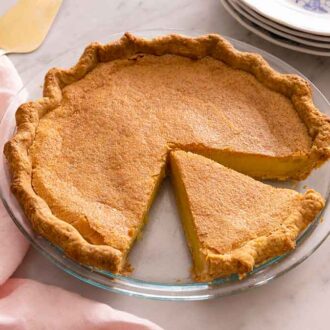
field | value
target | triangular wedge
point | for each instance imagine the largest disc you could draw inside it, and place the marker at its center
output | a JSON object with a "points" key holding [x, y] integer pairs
{"points": [[233, 222]]}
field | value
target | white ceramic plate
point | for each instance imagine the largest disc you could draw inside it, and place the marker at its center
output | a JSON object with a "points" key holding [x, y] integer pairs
{"points": [[271, 37], [312, 16], [243, 12], [281, 27]]}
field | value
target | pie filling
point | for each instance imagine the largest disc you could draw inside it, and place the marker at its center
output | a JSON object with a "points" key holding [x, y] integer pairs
{"points": [[199, 262], [260, 166]]}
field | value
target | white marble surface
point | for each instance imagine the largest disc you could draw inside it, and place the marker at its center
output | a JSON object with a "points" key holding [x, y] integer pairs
{"points": [[298, 300]]}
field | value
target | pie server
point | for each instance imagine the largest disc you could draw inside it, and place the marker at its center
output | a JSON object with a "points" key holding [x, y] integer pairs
{"points": [[24, 26]]}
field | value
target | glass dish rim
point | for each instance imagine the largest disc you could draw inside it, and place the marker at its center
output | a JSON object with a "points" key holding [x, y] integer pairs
{"points": [[171, 287]]}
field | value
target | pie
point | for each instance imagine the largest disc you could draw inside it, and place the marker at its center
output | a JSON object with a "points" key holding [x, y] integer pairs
{"points": [[88, 157], [233, 222]]}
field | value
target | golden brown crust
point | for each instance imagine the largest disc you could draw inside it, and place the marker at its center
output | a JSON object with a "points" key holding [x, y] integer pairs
{"points": [[259, 250], [29, 114]]}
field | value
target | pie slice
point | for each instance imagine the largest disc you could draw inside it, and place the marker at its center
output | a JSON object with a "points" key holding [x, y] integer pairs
{"points": [[88, 157], [233, 222]]}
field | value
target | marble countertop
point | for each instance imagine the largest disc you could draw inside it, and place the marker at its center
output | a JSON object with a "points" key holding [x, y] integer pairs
{"points": [[297, 300]]}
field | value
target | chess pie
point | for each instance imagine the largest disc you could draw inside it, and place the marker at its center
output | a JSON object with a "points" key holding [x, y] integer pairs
{"points": [[88, 157]]}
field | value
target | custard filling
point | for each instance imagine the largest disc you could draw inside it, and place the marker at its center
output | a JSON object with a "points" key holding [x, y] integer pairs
{"points": [[199, 262]]}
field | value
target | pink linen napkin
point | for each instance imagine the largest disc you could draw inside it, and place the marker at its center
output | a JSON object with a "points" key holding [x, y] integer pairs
{"points": [[11, 254], [26, 304]]}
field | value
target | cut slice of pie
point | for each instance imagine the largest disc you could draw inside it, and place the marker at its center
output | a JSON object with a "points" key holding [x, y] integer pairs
{"points": [[88, 157], [233, 222]]}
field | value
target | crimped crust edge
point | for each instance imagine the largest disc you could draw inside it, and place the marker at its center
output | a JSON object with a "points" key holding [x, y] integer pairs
{"points": [[259, 250]]}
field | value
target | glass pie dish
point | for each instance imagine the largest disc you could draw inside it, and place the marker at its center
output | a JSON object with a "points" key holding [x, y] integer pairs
{"points": [[161, 259]]}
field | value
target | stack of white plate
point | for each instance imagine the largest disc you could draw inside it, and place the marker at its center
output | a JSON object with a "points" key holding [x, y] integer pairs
{"points": [[302, 25]]}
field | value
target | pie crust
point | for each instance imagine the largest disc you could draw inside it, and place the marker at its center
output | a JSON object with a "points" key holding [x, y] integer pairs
{"points": [[18, 149]]}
